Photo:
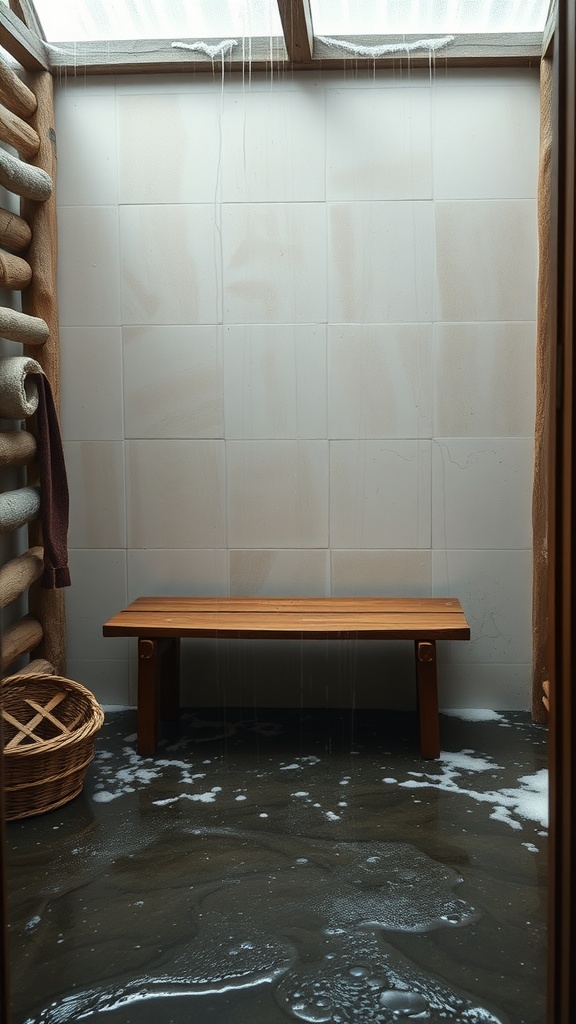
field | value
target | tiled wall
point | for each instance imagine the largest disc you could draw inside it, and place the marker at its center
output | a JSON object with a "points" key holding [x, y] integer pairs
{"points": [[298, 358]]}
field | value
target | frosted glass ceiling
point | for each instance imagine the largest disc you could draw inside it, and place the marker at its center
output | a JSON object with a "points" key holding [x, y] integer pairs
{"points": [[412, 17], [82, 20]]}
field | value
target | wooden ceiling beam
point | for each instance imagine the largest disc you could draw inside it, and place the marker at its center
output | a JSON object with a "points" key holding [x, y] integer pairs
{"points": [[149, 56], [297, 28], [21, 43], [548, 35], [26, 11]]}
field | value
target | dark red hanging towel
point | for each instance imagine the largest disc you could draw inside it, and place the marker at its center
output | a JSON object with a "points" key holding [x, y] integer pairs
{"points": [[54, 499]]}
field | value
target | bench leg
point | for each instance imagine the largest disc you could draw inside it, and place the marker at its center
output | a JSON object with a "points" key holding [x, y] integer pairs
{"points": [[158, 688], [427, 689], [149, 654]]}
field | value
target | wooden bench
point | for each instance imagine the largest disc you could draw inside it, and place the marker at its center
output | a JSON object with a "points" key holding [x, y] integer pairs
{"points": [[160, 622]]}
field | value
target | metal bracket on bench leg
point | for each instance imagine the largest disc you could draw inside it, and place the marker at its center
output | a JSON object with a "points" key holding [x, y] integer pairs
{"points": [[427, 687]]}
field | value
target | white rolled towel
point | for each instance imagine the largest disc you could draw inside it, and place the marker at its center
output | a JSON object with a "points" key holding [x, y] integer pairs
{"points": [[19, 507], [18, 393]]}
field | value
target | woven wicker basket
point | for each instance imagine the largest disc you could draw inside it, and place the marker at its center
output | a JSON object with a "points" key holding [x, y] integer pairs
{"points": [[49, 724]]}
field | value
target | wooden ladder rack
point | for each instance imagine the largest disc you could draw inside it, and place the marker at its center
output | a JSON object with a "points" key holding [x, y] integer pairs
{"points": [[28, 258]]}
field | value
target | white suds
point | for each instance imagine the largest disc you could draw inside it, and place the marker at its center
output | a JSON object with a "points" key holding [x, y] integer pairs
{"points": [[205, 798], [473, 714], [528, 802]]}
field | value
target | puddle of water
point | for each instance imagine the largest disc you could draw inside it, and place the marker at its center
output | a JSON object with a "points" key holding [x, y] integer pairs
{"points": [[160, 904]]}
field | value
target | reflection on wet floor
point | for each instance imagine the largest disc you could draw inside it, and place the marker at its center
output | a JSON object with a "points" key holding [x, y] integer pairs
{"points": [[288, 865]]}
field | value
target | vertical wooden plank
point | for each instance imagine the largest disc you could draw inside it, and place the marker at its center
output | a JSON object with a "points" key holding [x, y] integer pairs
{"points": [[562, 520], [40, 299]]}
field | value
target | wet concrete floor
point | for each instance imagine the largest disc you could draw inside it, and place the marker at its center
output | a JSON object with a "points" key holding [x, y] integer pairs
{"points": [[289, 866]]}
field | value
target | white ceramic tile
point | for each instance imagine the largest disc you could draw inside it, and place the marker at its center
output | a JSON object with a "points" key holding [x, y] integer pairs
{"points": [[184, 573], [275, 381], [499, 687], [88, 266], [234, 81], [169, 147], [273, 146], [95, 472], [378, 144], [175, 494], [279, 573], [91, 383], [277, 494], [381, 573], [108, 680], [482, 492], [493, 78], [86, 139], [375, 78], [486, 141], [495, 589], [380, 262], [163, 84], [379, 494], [379, 380], [172, 382], [274, 258], [98, 591], [168, 264], [486, 260], [484, 379]]}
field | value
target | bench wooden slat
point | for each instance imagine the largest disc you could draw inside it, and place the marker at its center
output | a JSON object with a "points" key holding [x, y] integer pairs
{"points": [[393, 625], [357, 605]]}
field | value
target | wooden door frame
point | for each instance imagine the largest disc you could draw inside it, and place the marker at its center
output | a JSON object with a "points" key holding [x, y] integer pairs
{"points": [[562, 527]]}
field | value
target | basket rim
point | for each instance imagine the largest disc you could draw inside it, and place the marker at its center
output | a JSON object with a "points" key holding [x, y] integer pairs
{"points": [[84, 731]]}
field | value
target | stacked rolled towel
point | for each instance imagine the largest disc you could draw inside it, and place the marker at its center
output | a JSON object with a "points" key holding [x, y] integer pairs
{"points": [[25, 390], [22, 178], [18, 508], [18, 387]]}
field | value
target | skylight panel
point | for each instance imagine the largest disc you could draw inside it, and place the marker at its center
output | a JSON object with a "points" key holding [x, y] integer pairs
{"points": [[426, 17], [101, 20]]}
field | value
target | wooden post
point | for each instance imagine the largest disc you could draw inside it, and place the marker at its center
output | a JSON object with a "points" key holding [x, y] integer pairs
{"points": [[15, 273], [14, 232], [14, 93], [40, 300], [18, 133]]}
